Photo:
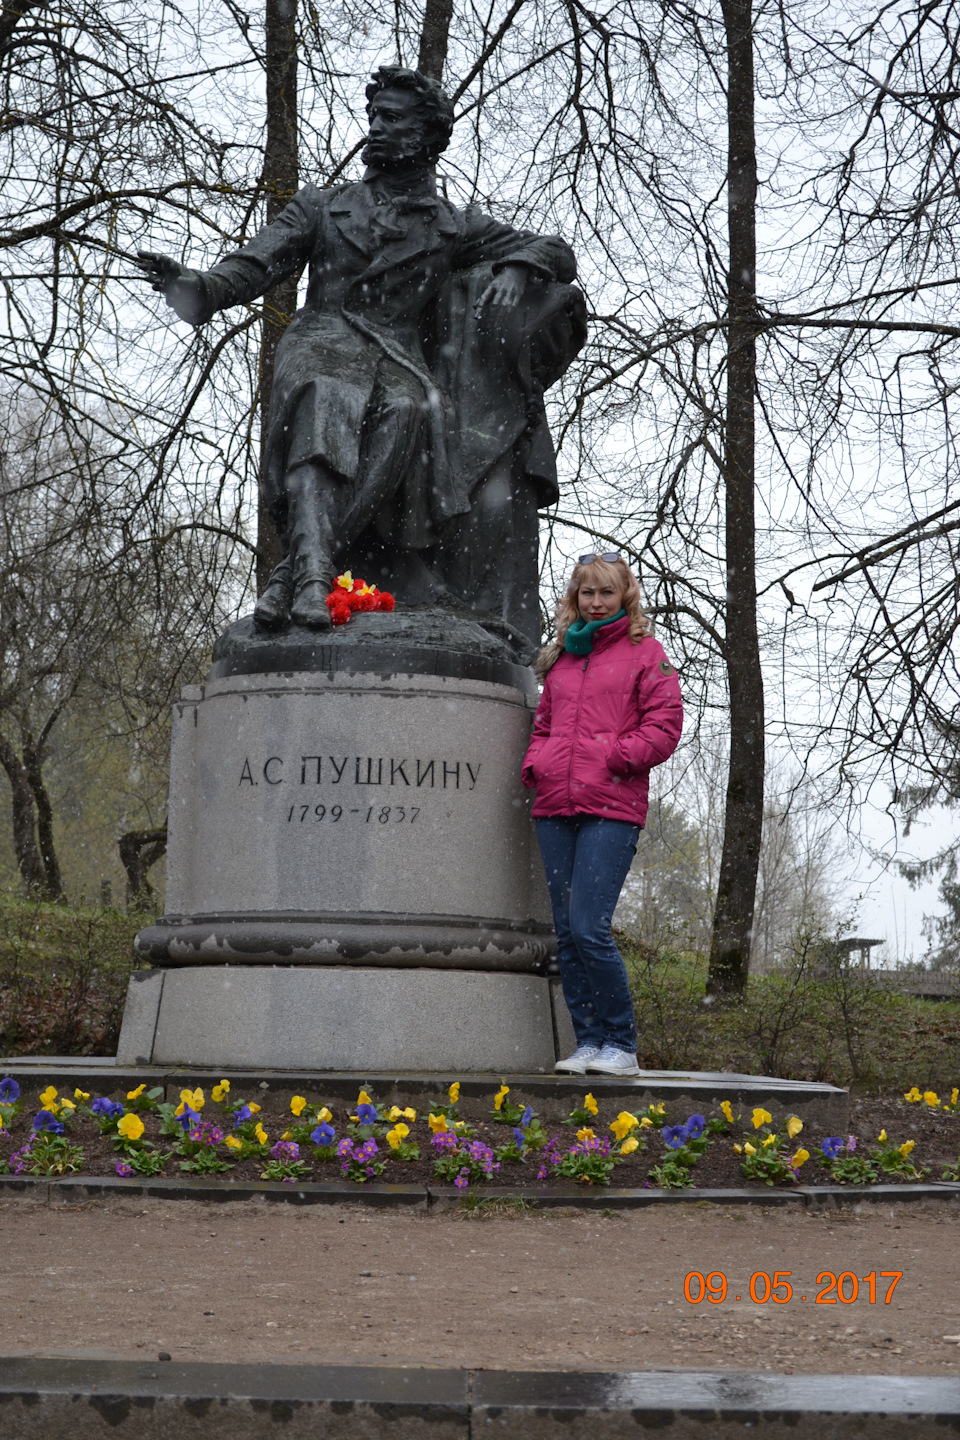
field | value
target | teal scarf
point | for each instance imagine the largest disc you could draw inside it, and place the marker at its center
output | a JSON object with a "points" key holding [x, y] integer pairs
{"points": [[579, 637]]}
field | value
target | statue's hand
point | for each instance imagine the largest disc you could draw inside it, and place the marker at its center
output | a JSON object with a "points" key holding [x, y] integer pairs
{"points": [[506, 289], [181, 287]]}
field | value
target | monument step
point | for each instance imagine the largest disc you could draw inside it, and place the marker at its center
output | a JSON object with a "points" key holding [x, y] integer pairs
{"points": [[50, 1397], [552, 1096]]}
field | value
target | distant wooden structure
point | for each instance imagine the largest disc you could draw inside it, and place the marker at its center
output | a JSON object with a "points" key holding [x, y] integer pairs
{"points": [[855, 943]]}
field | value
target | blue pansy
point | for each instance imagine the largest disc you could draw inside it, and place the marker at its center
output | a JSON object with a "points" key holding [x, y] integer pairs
{"points": [[241, 1116], [46, 1120], [110, 1109], [832, 1146], [324, 1134], [695, 1127], [674, 1136], [367, 1114], [189, 1118], [526, 1117], [520, 1138], [9, 1091]]}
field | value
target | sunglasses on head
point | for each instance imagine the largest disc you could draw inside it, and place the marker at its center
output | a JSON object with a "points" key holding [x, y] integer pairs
{"points": [[610, 557]]}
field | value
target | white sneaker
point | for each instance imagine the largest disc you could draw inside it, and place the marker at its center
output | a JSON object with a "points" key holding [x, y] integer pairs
{"points": [[613, 1061], [576, 1064]]}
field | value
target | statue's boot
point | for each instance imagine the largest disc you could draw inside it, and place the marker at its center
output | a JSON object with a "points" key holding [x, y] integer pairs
{"points": [[272, 610], [310, 607]]}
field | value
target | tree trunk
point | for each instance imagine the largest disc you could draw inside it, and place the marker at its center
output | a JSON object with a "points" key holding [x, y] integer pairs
{"points": [[743, 819], [33, 766], [434, 37], [139, 849], [24, 838], [280, 180]]}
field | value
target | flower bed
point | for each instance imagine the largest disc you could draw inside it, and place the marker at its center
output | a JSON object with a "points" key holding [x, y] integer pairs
{"points": [[228, 1135]]}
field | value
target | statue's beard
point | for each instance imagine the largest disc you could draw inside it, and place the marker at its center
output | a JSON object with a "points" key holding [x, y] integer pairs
{"points": [[410, 154]]}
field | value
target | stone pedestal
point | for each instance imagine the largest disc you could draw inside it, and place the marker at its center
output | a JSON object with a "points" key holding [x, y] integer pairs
{"points": [[352, 878]]}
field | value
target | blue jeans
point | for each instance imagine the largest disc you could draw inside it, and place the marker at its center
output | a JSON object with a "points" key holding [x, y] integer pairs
{"points": [[586, 860]]}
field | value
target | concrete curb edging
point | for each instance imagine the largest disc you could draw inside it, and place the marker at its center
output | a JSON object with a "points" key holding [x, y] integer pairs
{"points": [[73, 1188], [44, 1399]]}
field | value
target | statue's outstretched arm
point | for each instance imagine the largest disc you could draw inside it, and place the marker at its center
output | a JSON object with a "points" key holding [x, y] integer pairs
{"points": [[181, 287], [274, 254]]}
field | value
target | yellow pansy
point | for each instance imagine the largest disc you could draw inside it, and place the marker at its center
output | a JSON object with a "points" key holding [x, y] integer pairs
{"points": [[402, 1130], [882, 1135], [794, 1126], [1, 1122], [727, 1110], [660, 1109], [750, 1149], [48, 1100], [585, 1134], [454, 1092], [81, 1095], [394, 1113], [913, 1095], [761, 1117], [646, 1123], [323, 1114], [500, 1096], [624, 1123], [67, 1105], [801, 1158], [410, 1114], [932, 1099], [286, 1135], [590, 1105], [628, 1146], [394, 1139], [345, 581], [254, 1109], [459, 1124], [739, 1149], [363, 1098], [953, 1096], [135, 1094], [906, 1147], [298, 1104], [233, 1143], [437, 1123], [193, 1099], [179, 1110], [768, 1140], [221, 1091], [130, 1127], [260, 1134]]}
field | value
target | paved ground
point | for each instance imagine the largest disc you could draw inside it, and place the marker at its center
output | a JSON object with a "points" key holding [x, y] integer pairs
{"points": [[249, 1282]]}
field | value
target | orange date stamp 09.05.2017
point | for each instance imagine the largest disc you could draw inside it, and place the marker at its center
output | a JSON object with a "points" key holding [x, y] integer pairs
{"points": [[845, 1288]]}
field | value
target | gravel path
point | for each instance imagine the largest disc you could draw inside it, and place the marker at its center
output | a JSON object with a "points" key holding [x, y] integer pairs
{"points": [[246, 1282]]}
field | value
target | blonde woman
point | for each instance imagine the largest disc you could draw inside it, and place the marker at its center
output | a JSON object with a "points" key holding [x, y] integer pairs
{"points": [[609, 712]]}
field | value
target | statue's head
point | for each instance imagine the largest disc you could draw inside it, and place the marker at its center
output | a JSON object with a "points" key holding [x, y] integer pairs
{"points": [[411, 119]]}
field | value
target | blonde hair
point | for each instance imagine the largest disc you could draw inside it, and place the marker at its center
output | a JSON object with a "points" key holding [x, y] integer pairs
{"points": [[596, 572]]}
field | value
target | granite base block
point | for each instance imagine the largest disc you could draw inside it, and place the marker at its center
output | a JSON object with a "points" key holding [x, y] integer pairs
{"points": [[349, 1018]]}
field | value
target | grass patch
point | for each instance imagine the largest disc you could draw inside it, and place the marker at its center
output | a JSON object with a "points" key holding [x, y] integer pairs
{"points": [[818, 1019], [488, 1205], [63, 976]]}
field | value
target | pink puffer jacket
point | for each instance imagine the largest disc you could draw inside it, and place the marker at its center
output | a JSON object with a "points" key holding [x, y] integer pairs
{"points": [[603, 722]]}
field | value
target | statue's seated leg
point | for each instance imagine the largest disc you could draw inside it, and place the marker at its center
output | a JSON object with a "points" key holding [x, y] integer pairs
{"points": [[392, 438], [314, 496]]}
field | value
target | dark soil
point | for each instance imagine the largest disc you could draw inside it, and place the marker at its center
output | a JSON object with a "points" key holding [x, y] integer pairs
{"points": [[937, 1137]]}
